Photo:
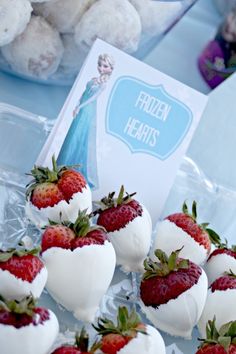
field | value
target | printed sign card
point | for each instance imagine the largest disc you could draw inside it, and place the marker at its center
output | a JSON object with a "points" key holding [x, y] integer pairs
{"points": [[125, 123]]}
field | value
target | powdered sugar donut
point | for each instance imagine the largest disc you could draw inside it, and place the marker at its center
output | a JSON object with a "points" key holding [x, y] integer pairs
{"points": [[37, 51], [14, 16], [117, 22], [63, 15], [73, 56], [156, 16]]}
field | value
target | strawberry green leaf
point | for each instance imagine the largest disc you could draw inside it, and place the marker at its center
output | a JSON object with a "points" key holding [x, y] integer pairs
{"points": [[25, 306], [127, 324], [165, 265], [224, 329], [20, 252], [194, 210], [82, 340], [233, 248], [214, 237], [161, 255], [225, 342], [110, 201], [185, 208], [120, 195]]}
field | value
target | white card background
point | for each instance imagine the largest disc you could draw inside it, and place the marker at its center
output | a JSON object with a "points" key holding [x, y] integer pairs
{"points": [[140, 172]]}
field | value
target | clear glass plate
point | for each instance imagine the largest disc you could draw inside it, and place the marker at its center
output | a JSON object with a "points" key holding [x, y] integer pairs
{"points": [[26, 135]]}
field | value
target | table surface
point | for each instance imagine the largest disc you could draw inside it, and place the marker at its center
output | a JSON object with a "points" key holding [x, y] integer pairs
{"points": [[176, 56]]}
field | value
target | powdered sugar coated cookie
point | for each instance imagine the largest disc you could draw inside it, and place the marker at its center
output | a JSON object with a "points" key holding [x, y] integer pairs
{"points": [[116, 22], [14, 16], [37, 51]]}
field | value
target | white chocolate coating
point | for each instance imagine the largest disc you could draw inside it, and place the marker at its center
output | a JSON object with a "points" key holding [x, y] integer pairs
{"points": [[156, 16], [37, 51], [132, 243], [63, 14], [217, 265], [14, 288], [29, 339], [116, 22], [68, 211], [178, 316], [170, 237], [220, 304], [14, 16], [78, 279], [152, 343]]}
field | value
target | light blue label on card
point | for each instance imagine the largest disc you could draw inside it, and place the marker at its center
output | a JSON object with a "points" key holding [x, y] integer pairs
{"points": [[146, 117]]}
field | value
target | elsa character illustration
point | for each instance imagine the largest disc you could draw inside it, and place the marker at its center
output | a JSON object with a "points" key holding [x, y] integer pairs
{"points": [[79, 146]]}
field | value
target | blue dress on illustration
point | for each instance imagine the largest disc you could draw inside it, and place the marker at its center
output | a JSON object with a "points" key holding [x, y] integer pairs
{"points": [[79, 146]]}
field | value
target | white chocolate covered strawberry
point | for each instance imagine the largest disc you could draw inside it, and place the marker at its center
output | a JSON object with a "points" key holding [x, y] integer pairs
{"points": [[81, 263], [181, 230], [129, 228], [25, 328], [56, 194], [221, 260], [220, 302], [21, 273], [173, 293]]}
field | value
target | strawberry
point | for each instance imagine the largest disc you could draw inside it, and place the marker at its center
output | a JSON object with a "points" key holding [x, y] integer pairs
{"points": [[80, 346], [25, 328], [181, 229], [227, 281], [21, 273], [57, 236], [173, 292], [128, 334], [71, 236], [129, 228], [46, 195], [68, 247], [112, 343], [221, 260], [56, 194], [222, 341], [220, 302]]}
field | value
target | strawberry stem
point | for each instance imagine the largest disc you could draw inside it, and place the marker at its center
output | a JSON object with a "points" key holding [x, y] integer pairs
{"points": [[110, 202], [82, 340], [166, 264], [225, 336], [9, 253], [25, 306], [127, 323]]}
